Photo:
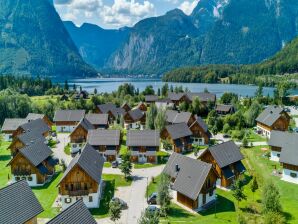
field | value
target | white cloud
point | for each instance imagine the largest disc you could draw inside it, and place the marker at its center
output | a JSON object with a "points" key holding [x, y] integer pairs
{"points": [[188, 6]]}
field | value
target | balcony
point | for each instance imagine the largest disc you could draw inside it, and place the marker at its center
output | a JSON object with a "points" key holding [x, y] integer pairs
{"points": [[78, 192], [21, 172], [78, 141]]}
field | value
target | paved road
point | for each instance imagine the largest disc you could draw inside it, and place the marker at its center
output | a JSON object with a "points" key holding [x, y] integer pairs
{"points": [[63, 139]]}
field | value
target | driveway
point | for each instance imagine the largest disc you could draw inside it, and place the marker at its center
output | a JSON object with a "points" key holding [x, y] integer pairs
{"points": [[63, 139]]}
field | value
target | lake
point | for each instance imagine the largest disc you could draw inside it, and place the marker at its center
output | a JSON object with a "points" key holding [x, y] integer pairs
{"points": [[111, 84]]}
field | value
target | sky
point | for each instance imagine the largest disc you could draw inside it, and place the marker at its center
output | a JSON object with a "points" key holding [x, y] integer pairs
{"points": [[111, 14]]}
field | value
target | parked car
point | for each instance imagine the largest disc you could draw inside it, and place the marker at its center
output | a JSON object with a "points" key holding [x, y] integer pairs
{"points": [[153, 209], [295, 130], [152, 200], [119, 160], [121, 202], [226, 136], [115, 164]]}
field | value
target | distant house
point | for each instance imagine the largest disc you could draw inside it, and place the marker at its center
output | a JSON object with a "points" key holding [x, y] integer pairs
{"points": [[100, 121], [200, 133], [193, 181], [204, 97], [67, 120], [272, 118], [82, 179], [143, 145], [149, 99], [77, 213], [78, 137], [126, 107], [10, 125], [135, 119], [164, 104], [141, 106], [33, 116], [176, 117], [33, 163], [284, 149], [112, 110], [223, 109], [81, 95], [107, 142], [226, 160], [179, 136], [18, 204], [36, 126], [64, 98], [178, 98]]}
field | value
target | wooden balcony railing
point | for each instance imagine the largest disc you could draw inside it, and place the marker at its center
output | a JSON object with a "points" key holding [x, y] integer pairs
{"points": [[78, 192]]}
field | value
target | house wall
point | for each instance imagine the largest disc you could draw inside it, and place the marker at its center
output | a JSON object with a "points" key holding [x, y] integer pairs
{"points": [[77, 138], [290, 175], [15, 146], [32, 181], [274, 156], [280, 124], [199, 134], [66, 126], [32, 221], [8, 136], [142, 156]]}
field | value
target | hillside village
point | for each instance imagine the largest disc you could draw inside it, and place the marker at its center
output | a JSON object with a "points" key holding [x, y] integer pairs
{"points": [[210, 158]]}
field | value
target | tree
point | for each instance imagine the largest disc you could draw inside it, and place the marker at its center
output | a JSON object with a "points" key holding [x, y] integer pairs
{"points": [[164, 90], [163, 194], [148, 90], [274, 218], [254, 186], [115, 210], [244, 142], [160, 120], [95, 91], [196, 105], [228, 98], [66, 87], [184, 106], [259, 91], [148, 217], [150, 116], [121, 121], [158, 92], [252, 113], [237, 191], [271, 198], [126, 166]]}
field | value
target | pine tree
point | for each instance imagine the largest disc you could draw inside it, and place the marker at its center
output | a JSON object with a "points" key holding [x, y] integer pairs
{"points": [[126, 166], [254, 186], [115, 210], [237, 191]]}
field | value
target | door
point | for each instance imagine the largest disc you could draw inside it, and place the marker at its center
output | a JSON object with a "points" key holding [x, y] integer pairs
{"points": [[142, 158]]}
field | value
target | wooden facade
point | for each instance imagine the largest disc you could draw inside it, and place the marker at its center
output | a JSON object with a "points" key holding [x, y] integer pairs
{"points": [[184, 98], [290, 166], [67, 123], [129, 120], [281, 124], [142, 150], [275, 148], [142, 106], [198, 132], [79, 135], [126, 107], [103, 148], [178, 149], [32, 221], [77, 183], [15, 146]]}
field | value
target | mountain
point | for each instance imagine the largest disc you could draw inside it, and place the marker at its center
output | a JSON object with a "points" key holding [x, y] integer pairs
{"points": [[35, 42], [94, 43]]}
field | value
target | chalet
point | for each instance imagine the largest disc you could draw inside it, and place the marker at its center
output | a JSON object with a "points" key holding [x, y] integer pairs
{"points": [[81, 95], [135, 118], [284, 149], [143, 145], [272, 118], [107, 142], [64, 98], [204, 97], [34, 164], [112, 110], [179, 136], [78, 137], [82, 179], [33, 116], [178, 98], [200, 133], [176, 117], [67, 120], [36, 126], [141, 106], [226, 161], [10, 125], [193, 181], [222, 109], [149, 99], [100, 121], [25, 139], [164, 104], [18, 204], [126, 107], [77, 213]]}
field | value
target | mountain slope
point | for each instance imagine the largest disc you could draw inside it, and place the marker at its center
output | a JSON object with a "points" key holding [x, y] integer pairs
{"points": [[34, 41], [94, 43]]}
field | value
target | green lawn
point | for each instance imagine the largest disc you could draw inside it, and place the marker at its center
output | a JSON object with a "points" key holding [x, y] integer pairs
{"points": [[67, 149], [144, 165], [119, 180], [107, 164], [253, 137], [4, 160]]}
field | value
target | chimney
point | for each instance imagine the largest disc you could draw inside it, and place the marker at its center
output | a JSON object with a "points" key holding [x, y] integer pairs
{"points": [[177, 168]]}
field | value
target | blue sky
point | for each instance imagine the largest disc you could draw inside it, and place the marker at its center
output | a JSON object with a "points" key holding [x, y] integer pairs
{"points": [[117, 13]]}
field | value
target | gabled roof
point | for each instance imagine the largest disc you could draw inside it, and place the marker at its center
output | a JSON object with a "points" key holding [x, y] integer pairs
{"points": [[225, 153], [203, 96], [18, 204], [224, 108], [164, 100], [38, 126], [143, 138], [103, 137], [97, 119], [77, 213], [178, 130], [109, 107], [90, 161], [176, 117], [11, 124], [191, 174], [151, 98], [69, 115], [270, 115], [36, 153], [175, 96], [33, 116], [288, 142], [136, 114], [202, 123], [29, 138]]}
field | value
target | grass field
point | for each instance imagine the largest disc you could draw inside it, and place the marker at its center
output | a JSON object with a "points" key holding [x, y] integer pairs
{"points": [[4, 160], [253, 137], [119, 180]]}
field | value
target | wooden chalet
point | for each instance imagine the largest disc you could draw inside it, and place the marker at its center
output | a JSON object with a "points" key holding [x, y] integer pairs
{"points": [[77, 213], [226, 160], [143, 145], [18, 204], [82, 179], [33, 116], [178, 98], [9, 126], [135, 119], [176, 117], [126, 107], [141, 106], [222, 109], [193, 181], [272, 118], [200, 133], [204, 97], [99, 121], [112, 110], [34, 164], [78, 137], [106, 142], [179, 136], [149, 99], [67, 120], [36, 126]]}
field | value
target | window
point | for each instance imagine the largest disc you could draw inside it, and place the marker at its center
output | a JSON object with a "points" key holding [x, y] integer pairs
{"points": [[23, 178], [17, 178], [30, 178], [67, 200], [90, 198], [74, 145], [66, 186], [85, 186], [210, 193], [294, 175], [278, 155]]}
